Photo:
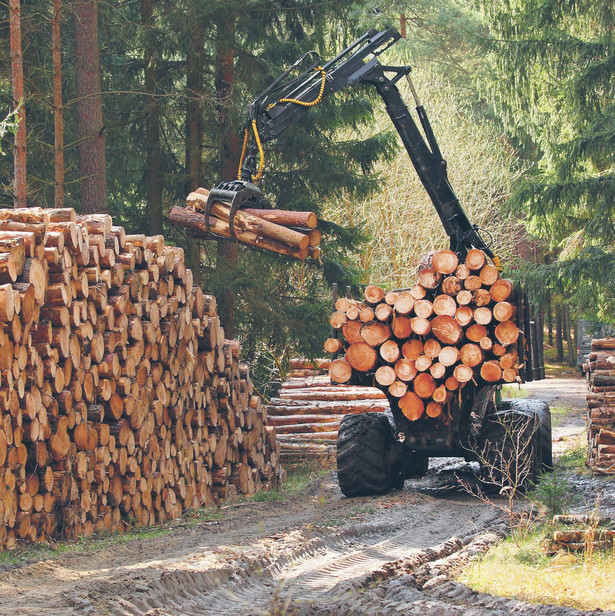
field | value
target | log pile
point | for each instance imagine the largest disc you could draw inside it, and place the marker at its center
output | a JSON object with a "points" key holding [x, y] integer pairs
{"points": [[120, 400], [596, 533], [600, 371], [455, 327], [308, 411], [284, 232]]}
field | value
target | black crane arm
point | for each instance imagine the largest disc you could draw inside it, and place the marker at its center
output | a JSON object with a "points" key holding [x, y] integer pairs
{"points": [[284, 102]]}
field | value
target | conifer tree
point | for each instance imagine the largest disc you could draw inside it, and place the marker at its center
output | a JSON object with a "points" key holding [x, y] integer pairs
{"points": [[554, 86]]}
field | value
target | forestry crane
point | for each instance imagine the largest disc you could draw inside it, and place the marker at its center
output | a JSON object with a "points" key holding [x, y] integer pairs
{"points": [[377, 452]]}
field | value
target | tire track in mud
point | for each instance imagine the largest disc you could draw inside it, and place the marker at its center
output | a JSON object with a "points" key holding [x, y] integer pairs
{"points": [[306, 572]]}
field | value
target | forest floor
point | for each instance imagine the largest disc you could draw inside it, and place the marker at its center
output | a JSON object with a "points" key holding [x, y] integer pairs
{"points": [[305, 550]]}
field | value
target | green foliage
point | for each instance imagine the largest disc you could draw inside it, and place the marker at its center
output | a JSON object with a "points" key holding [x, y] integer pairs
{"points": [[9, 125], [553, 83], [554, 493]]}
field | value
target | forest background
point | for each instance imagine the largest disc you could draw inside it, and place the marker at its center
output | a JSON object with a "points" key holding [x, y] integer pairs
{"points": [[124, 107]]}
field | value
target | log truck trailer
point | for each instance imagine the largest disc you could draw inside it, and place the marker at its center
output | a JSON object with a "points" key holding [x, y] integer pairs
{"points": [[377, 451]]}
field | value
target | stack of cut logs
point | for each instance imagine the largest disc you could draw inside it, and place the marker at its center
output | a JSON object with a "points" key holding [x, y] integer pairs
{"points": [[281, 231], [120, 399], [308, 411], [597, 533], [455, 326], [600, 370]]}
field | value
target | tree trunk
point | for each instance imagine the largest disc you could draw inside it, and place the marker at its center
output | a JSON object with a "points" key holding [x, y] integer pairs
{"points": [[224, 82], [572, 355], [58, 110], [18, 97], [194, 127], [152, 123], [559, 338], [550, 319], [91, 133]]}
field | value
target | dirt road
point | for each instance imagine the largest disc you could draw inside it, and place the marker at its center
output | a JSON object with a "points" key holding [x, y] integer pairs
{"points": [[312, 552]]}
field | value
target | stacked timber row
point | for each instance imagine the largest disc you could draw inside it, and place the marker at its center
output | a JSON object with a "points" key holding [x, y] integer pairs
{"points": [[309, 408], [591, 533], [120, 399], [289, 233], [600, 370], [455, 327]]}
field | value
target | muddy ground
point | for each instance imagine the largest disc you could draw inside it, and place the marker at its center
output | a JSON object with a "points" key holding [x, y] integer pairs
{"points": [[312, 552]]}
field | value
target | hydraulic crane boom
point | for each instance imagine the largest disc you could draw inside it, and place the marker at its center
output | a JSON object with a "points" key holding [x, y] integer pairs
{"points": [[284, 102]]}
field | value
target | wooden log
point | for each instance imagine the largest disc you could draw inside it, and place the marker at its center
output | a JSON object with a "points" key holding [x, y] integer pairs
{"points": [[471, 355], [501, 290], [451, 285], [385, 376], [418, 325], [375, 333], [446, 330], [288, 218], [422, 363], [352, 331], [402, 327], [398, 389], [423, 308], [444, 261], [475, 259], [433, 409], [445, 305], [489, 274], [448, 356], [429, 278], [491, 371], [432, 348], [462, 374], [404, 303], [390, 351], [507, 333], [373, 294], [424, 385], [405, 369], [361, 356], [333, 345], [464, 315], [411, 406], [483, 315], [262, 227], [411, 349]]}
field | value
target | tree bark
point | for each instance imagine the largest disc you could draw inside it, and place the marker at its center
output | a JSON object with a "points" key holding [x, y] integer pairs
{"points": [[572, 355], [224, 82], [18, 97], [58, 109], [559, 340], [152, 123], [194, 127], [92, 166], [549, 310]]}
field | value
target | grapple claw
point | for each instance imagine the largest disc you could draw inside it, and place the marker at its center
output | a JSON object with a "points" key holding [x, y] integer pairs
{"points": [[239, 194]]}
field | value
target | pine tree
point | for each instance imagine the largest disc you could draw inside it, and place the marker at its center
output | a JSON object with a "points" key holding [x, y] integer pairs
{"points": [[554, 86]]}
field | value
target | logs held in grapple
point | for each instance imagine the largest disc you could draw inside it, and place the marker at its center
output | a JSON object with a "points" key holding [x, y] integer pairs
{"points": [[284, 232]]}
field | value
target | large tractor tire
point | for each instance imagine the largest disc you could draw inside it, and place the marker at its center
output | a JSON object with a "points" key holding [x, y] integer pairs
{"points": [[516, 444], [366, 454], [540, 410]]}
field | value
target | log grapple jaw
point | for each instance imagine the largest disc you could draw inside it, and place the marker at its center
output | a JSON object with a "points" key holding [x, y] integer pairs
{"points": [[238, 194]]}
